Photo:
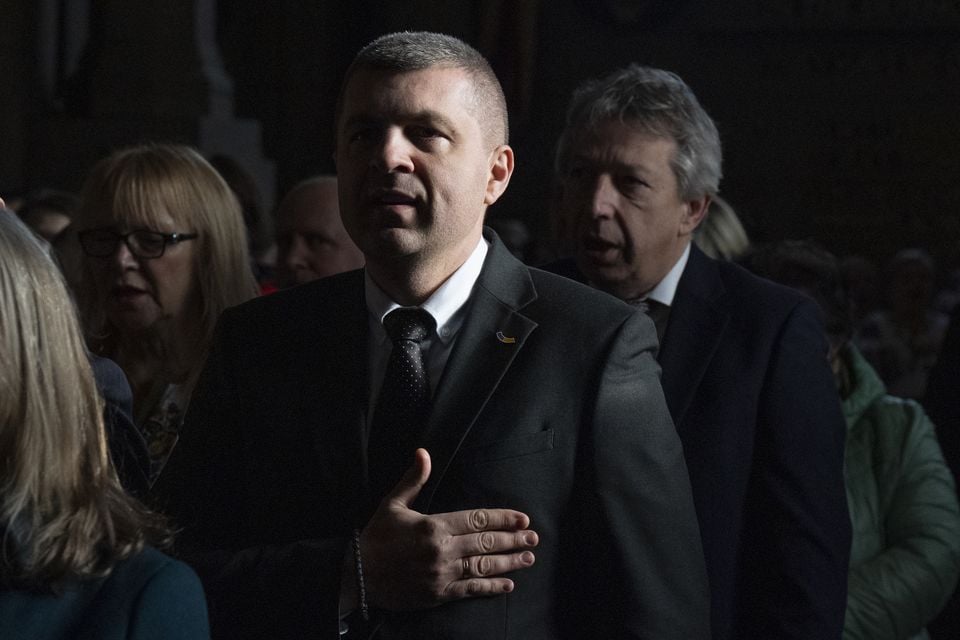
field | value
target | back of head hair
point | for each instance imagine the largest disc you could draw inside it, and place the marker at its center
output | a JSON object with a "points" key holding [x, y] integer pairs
{"points": [[807, 267], [136, 186], [657, 103], [62, 510], [407, 51], [244, 187], [912, 256], [48, 200], [721, 234]]}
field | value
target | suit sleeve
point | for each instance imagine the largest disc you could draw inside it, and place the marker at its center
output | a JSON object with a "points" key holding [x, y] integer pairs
{"points": [[281, 591], [653, 582], [798, 552], [894, 594]]}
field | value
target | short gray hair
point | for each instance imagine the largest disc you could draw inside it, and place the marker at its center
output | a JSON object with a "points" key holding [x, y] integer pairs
{"points": [[406, 51], [656, 102]]}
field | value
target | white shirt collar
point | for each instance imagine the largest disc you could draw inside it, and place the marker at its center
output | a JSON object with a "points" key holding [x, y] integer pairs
{"points": [[666, 289], [443, 305]]}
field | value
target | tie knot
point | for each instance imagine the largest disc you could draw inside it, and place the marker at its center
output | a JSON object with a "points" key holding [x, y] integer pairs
{"points": [[409, 324]]}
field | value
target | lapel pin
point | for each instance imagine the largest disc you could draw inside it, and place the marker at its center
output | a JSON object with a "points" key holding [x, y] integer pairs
{"points": [[505, 339]]}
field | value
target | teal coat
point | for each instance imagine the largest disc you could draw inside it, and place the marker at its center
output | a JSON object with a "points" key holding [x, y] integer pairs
{"points": [[149, 596], [905, 557]]}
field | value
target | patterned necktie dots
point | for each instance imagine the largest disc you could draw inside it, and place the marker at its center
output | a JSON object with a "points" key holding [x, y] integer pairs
{"points": [[404, 403]]}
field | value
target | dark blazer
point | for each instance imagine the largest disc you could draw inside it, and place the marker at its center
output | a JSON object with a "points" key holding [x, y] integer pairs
{"points": [[563, 419], [146, 597], [746, 378]]}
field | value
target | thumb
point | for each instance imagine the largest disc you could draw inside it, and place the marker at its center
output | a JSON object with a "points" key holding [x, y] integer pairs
{"points": [[409, 486]]}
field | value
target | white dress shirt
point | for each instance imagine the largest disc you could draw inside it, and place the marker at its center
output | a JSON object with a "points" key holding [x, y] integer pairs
{"points": [[666, 289], [447, 305]]}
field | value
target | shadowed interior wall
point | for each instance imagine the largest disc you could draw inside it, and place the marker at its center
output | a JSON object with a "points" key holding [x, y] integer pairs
{"points": [[839, 117]]}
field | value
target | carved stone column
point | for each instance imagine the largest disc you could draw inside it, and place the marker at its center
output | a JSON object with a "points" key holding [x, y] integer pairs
{"points": [[151, 71]]}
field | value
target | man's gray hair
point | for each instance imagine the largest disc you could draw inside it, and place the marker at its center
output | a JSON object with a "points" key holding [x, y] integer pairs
{"points": [[406, 51], [658, 103]]}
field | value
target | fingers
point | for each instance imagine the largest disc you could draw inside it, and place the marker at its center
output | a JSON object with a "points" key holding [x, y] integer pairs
{"points": [[487, 542], [481, 575], [489, 566], [409, 486], [474, 520]]}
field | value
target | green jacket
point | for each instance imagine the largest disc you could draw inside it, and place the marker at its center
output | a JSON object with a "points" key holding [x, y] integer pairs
{"points": [[905, 556]]}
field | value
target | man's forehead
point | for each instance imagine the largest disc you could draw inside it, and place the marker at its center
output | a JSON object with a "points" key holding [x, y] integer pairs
{"points": [[386, 80], [616, 139]]}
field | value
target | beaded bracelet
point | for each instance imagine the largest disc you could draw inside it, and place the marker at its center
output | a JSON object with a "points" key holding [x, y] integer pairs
{"points": [[361, 588]]}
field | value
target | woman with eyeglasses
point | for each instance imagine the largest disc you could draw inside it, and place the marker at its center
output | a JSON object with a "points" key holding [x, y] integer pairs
{"points": [[75, 561], [164, 252]]}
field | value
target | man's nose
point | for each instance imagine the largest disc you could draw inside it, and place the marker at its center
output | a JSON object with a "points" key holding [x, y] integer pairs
{"points": [[395, 154], [296, 257], [603, 197]]}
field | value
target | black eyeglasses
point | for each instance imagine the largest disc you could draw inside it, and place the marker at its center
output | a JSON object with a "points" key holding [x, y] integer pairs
{"points": [[103, 243]]}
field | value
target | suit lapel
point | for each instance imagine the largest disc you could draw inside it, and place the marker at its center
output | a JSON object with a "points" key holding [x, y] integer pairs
{"points": [[493, 333], [695, 329]]}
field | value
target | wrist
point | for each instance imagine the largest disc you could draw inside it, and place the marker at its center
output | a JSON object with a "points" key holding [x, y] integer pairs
{"points": [[359, 582]]}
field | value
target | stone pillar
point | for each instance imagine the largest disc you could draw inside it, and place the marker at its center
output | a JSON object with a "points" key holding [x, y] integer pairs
{"points": [[151, 71]]}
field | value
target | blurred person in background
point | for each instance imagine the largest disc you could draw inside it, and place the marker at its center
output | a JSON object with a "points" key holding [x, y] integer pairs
{"points": [[905, 556], [165, 252], [861, 280], [48, 212], [76, 562], [263, 252], [720, 234], [311, 240], [902, 342]]}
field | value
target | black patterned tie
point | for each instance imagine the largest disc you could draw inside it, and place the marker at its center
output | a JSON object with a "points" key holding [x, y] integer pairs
{"points": [[658, 312], [404, 402]]}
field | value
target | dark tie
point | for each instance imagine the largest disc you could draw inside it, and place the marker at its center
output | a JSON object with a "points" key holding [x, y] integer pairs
{"points": [[658, 312], [404, 402]]}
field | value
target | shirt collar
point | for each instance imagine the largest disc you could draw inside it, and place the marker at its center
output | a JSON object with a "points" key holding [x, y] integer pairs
{"points": [[443, 304], [665, 291]]}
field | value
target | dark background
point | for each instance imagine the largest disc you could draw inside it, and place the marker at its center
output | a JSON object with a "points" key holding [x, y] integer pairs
{"points": [[840, 118]]}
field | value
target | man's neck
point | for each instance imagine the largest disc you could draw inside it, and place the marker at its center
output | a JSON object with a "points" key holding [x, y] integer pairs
{"points": [[410, 280]]}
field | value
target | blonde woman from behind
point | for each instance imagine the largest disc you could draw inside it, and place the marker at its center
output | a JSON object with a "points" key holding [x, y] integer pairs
{"points": [[76, 562]]}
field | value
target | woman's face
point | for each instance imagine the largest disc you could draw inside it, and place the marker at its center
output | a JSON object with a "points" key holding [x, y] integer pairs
{"points": [[140, 293]]}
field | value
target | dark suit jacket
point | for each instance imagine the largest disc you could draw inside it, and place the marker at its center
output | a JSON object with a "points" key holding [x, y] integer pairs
{"points": [[146, 597], [746, 378], [566, 423]]}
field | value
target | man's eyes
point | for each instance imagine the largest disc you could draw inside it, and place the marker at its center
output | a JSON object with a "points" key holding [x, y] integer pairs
{"points": [[363, 134], [423, 131], [626, 183], [632, 182], [416, 133], [316, 242]]}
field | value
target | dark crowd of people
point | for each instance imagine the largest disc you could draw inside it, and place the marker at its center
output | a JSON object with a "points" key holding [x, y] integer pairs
{"points": [[368, 416]]}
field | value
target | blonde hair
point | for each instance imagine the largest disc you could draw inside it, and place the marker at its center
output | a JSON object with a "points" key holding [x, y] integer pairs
{"points": [[137, 186], [63, 512], [721, 234]]}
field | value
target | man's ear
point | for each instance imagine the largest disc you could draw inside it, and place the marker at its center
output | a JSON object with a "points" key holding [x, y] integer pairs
{"points": [[501, 168], [694, 213]]}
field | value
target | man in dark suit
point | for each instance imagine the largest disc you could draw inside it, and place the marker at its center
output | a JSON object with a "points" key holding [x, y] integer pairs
{"points": [[548, 432], [744, 361]]}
